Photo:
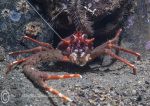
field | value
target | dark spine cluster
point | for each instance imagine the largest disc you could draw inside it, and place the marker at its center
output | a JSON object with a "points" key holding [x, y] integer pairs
{"points": [[79, 17]]}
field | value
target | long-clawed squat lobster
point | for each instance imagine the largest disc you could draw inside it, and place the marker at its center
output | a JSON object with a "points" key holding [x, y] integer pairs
{"points": [[76, 49]]}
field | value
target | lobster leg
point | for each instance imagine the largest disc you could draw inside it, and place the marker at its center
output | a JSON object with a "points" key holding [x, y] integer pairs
{"points": [[122, 60], [55, 92], [56, 77], [65, 76], [40, 77], [116, 38], [38, 42], [14, 63], [128, 51], [112, 44], [36, 49]]}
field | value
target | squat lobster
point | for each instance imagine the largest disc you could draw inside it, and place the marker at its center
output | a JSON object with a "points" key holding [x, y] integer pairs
{"points": [[76, 49]]}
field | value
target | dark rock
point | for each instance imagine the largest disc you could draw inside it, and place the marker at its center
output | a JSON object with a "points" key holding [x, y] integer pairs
{"points": [[147, 82], [139, 98], [81, 93], [108, 16], [2, 58]]}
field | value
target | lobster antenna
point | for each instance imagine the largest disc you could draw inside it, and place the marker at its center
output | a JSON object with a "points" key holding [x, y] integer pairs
{"points": [[50, 26]]}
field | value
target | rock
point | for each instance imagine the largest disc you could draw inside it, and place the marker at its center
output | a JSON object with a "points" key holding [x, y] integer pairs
{"points": [[139, 98], [2, 58], [96, 90], [97, 12], [147, 82], [92, 102], [2, 54], [134, 92]]}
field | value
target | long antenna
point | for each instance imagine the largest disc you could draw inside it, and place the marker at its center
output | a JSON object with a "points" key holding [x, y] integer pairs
{"points": [[44, 20]]}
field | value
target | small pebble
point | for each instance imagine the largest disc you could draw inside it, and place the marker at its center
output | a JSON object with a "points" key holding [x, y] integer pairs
{"points": [[15, 16], [3, 26], [146, 82], [82, 94], [113, 93], [2, 58], [108, 104], [96, 90], [92, 102], [102, 98], [139, 98], [23, 6], [134, 92], [147, 46], [5, 12], [90, 5], [96, 0], [139, 82]]}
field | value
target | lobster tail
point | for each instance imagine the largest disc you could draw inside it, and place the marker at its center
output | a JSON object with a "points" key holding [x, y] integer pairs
{"points": [[79, 17]]}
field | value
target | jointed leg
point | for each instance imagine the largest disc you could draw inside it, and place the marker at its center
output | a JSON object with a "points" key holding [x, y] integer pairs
{"points": [[56, 77], [36, 49], [122, 60], [14, 63], [38, 42], [40, 78], [116, 38], [112, 44], [65, 76], [128, 51], [55, 92]]}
